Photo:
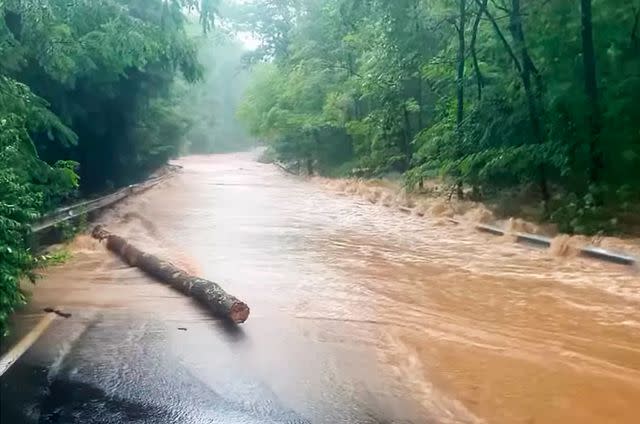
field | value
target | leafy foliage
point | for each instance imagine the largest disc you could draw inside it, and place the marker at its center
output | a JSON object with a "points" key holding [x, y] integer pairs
{"points": [[27, 185], [86, 103]]}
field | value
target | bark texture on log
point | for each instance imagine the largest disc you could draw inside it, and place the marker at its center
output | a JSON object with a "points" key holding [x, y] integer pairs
{"points": [[208, 293]]}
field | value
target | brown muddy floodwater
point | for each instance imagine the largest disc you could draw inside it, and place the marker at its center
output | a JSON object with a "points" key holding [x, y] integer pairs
{"points": [[409, 317]]}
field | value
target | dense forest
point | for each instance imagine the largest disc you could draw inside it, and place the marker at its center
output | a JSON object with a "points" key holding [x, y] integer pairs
{"points": [[492, 96], [90, 100]]}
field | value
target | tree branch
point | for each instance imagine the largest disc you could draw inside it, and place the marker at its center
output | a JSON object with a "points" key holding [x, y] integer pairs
{"points": [[483, 7], [502, 7]]}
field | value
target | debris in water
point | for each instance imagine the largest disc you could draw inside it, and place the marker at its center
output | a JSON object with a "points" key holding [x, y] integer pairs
{"points": [[57, 312]]}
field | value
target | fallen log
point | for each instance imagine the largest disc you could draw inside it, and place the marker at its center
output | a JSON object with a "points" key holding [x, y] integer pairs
{"points": [[208, 293]]}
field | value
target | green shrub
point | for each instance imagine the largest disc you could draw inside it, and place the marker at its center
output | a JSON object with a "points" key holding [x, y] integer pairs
{"points": [[590, 214], [17, 210]]}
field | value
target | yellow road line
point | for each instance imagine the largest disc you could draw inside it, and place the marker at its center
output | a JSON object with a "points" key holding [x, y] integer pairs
{"points": [[23, 345]]}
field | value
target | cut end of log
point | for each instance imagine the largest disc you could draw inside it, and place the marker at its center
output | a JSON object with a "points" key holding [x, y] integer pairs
{"points": [[99, 232], [239, 312]]}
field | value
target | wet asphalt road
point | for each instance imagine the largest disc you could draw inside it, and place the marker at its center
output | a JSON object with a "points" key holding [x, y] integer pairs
{"points": [[136, 351], [142, 379], [122, 368]]}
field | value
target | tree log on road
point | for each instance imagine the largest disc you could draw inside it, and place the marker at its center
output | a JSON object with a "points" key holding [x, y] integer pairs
{"points": [[210, 294]]}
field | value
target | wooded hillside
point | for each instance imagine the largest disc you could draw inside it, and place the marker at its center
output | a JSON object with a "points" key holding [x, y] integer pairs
{"points": [[492, 95]]}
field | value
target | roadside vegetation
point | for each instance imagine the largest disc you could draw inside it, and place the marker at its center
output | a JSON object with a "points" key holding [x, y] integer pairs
{"points": [[88, 102], [536, 97]]}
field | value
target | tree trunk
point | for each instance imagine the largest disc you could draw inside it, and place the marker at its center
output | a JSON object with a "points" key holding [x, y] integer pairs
{"points": [[408, 136], [517, 32], [460, 67], [357, 106], [634, 29], [474, 53], [420, 105], [309, 166], [421, 49], [208, 293], [591, 89], [460, 84]]}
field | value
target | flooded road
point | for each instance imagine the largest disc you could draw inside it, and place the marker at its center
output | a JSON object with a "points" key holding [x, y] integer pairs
{"points": [[359, 314]]}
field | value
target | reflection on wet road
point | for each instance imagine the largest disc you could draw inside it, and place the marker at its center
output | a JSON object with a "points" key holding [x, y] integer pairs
{"points": [[359, 314]]}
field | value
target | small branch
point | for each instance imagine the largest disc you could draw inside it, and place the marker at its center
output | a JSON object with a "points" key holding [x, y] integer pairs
{"points": [[500, 6]]}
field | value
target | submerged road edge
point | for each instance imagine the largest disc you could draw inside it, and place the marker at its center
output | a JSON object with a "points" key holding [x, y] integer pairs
{"points": [[588, 251], [15, 352]]}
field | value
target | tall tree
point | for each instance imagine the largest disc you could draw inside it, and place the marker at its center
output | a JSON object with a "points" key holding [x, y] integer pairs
{"points": [[528, 70], [461, 27], [591, 89], [474, 50]]}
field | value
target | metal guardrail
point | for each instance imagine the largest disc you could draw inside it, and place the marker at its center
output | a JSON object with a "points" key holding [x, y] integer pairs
{"points": [[72, 211], [537, 240]]}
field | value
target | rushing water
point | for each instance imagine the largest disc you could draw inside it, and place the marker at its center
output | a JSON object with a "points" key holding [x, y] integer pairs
{"points": [[411, 318]]}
